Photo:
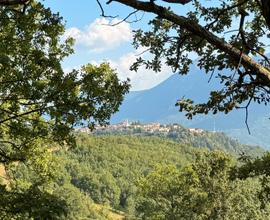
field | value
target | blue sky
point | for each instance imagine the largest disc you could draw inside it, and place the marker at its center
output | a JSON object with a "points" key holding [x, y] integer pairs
{"points": [[97, 42]]}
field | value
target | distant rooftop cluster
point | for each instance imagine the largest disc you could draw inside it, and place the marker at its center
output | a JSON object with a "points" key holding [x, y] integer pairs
{"points": [[196, 130], [151, 127]]}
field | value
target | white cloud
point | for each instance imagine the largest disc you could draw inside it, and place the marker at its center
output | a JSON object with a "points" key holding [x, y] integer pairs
{"points": [[143, 78], [140, 80], [100, 35]]}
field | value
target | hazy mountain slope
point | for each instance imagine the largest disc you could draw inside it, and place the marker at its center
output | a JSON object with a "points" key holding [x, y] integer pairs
{"points": [[158, 105], [260, 130]]}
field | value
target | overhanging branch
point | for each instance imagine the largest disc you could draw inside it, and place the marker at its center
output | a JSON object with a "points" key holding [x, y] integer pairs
{"points": [[13, 2], [266, 11], [200, 31]]}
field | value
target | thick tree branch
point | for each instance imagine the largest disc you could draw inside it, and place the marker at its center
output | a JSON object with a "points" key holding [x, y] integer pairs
{"points": [[266, 11], [178, 1], [13, 2], [200, 31]]}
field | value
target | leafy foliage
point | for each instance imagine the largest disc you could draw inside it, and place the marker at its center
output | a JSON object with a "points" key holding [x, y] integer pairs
{"points": [[40, 105], [235, 55], [39, 100], [202, 190]]}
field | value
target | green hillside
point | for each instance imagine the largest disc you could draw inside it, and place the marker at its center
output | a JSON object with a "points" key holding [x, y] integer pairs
{"points": [[101, 177], [96, 179], [108, 167], [196, 138]]}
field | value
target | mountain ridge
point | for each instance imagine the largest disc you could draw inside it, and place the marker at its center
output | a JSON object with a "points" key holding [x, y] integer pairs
{"points": [[158, 105]]}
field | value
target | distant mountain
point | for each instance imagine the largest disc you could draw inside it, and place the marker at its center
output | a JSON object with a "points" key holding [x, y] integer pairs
{"points": [[158, 105]]}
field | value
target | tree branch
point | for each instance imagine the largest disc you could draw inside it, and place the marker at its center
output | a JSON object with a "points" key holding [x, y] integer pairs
{"points": [[126, 19], [266, 11], [103, 12], [183, 2], [200, 31], [13, 2], [21, 115]]}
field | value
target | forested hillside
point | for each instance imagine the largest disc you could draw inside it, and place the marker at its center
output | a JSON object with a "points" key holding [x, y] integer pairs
{"points": [[105, 170], [108, 177], [195, 137]]}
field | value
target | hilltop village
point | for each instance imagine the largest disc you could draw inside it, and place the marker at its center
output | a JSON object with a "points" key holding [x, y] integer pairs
{"points": [[137, 126]]}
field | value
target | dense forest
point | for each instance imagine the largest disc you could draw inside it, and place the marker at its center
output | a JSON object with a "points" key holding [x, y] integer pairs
{"points": [[135, 177], [197, 138]]}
